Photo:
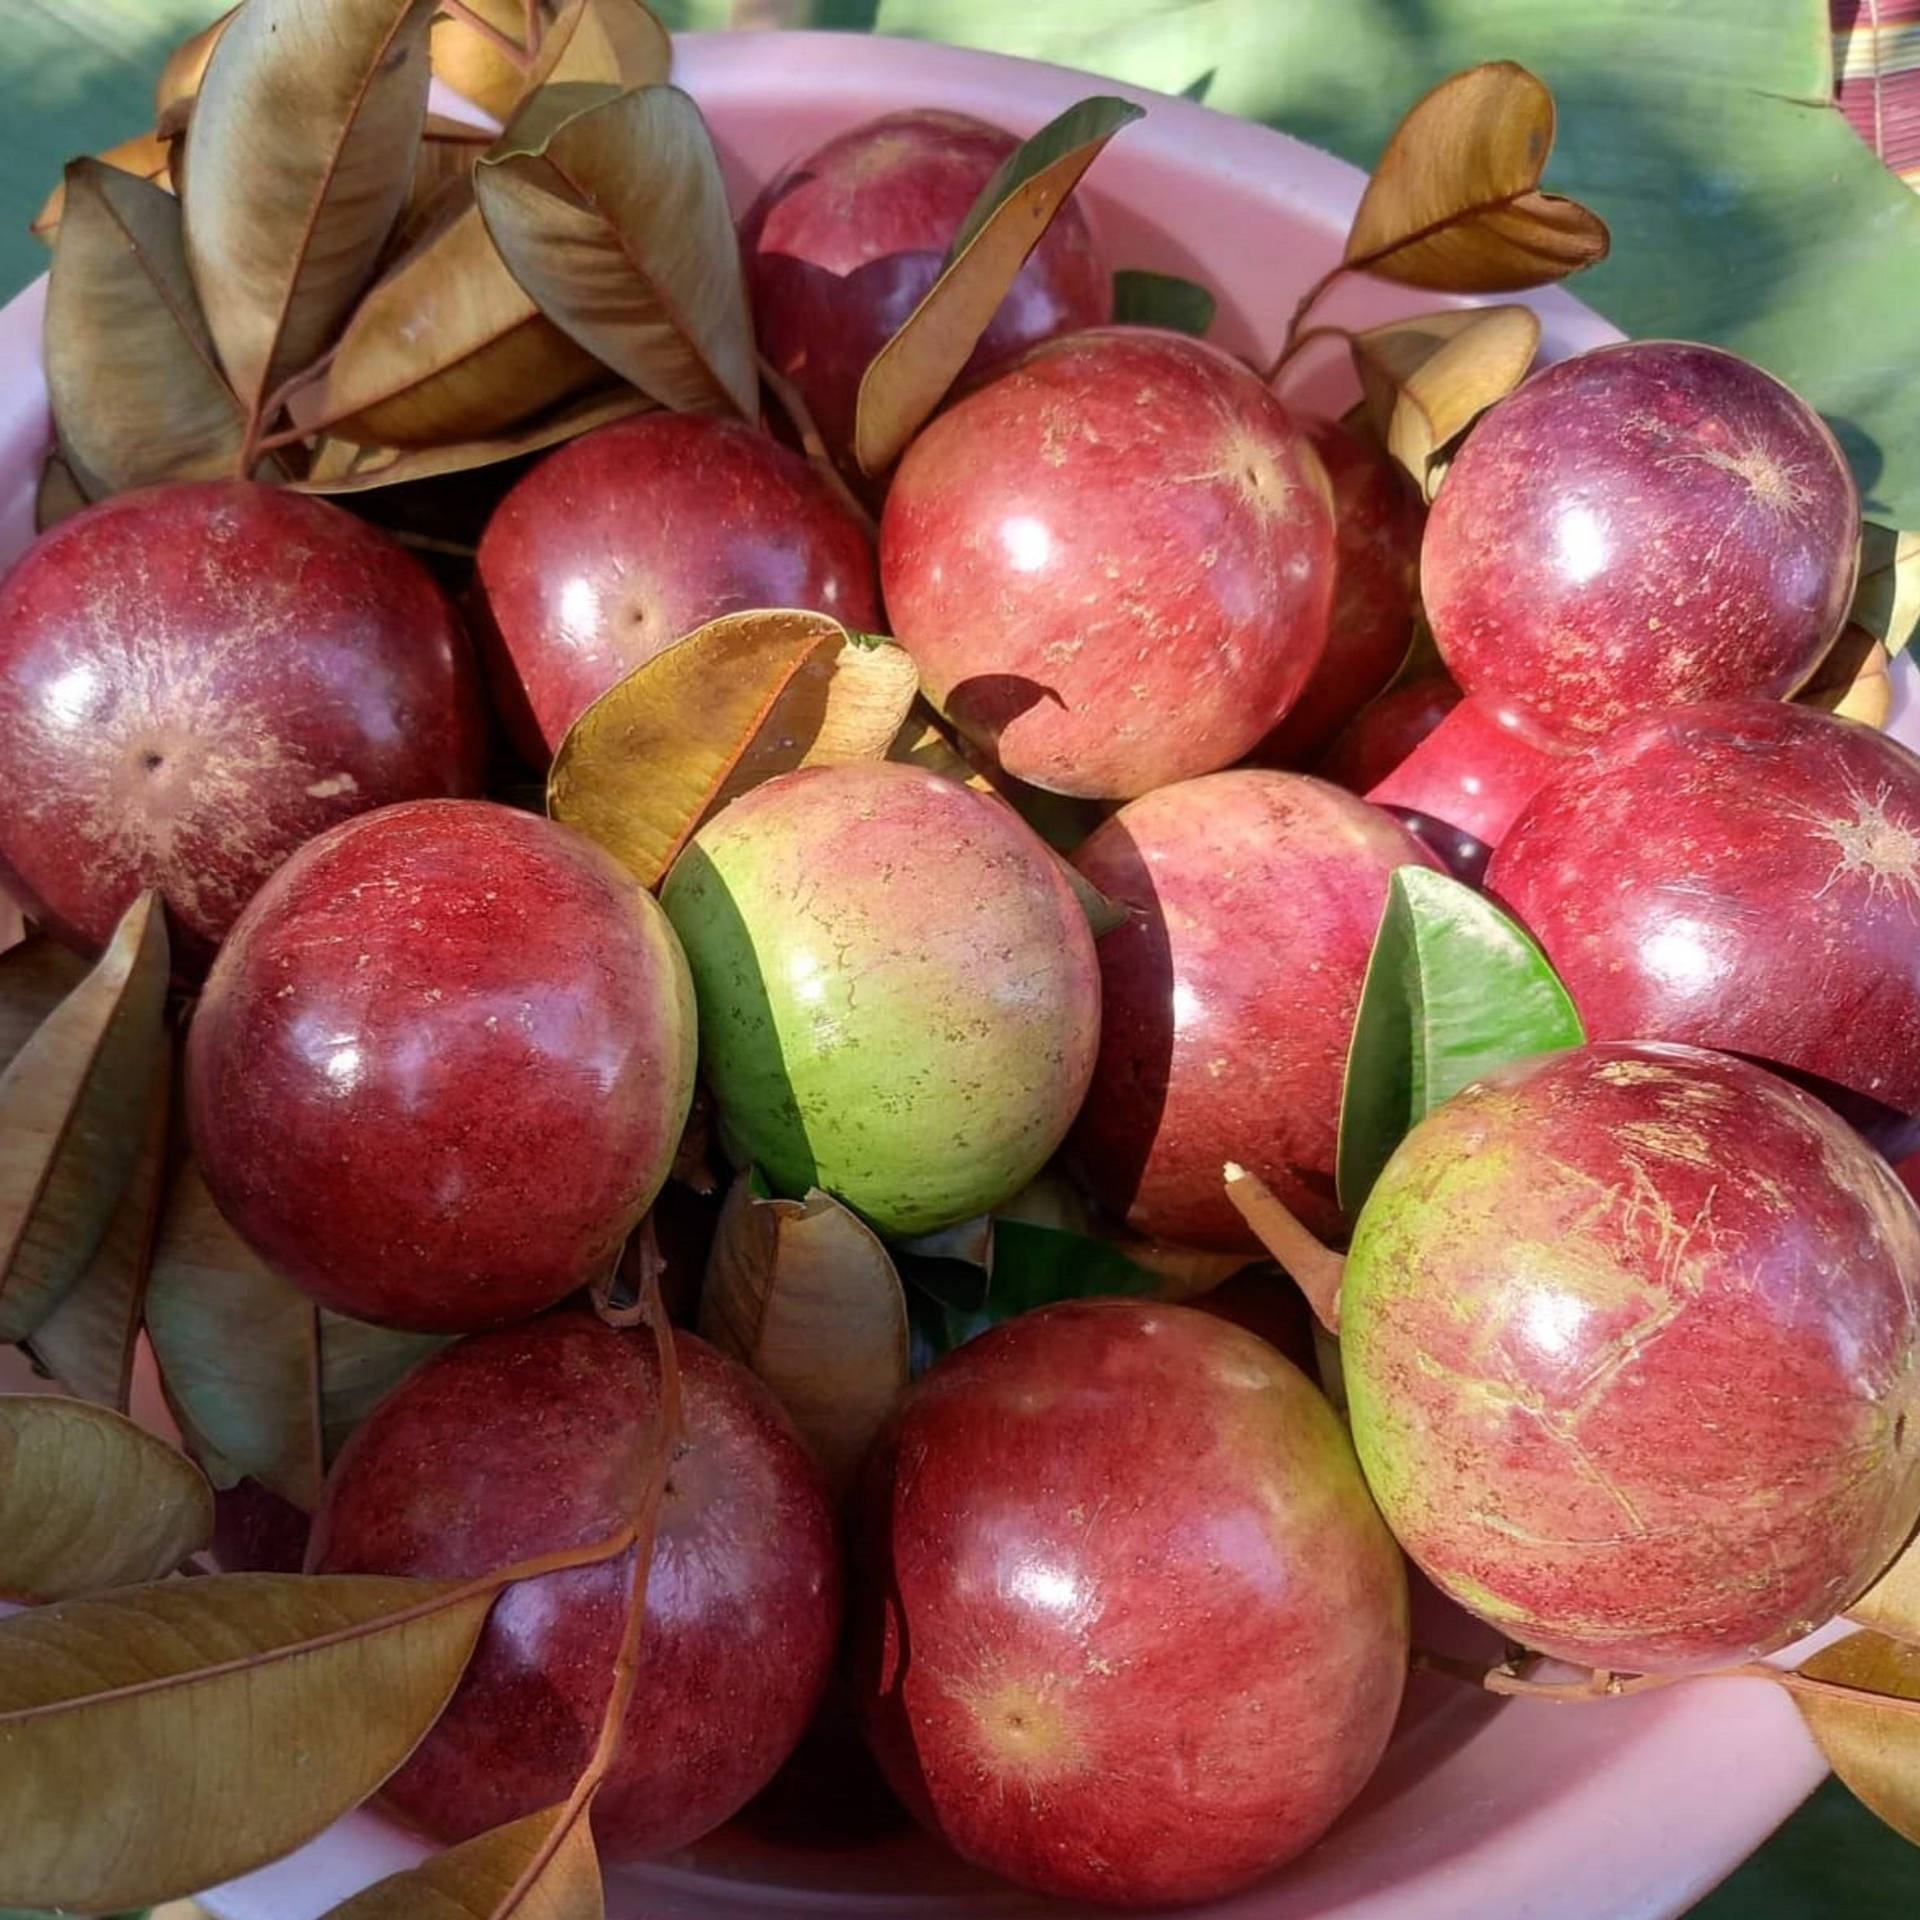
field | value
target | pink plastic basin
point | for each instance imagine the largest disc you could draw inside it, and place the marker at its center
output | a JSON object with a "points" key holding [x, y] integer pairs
{"points": [[1622, 1811]]}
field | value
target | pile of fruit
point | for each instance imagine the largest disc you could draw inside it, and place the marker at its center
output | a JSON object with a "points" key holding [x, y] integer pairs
{"points": [[716, 927]]}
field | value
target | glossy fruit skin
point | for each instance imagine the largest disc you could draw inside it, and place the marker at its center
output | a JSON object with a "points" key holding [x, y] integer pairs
{"points": [[1386, 730], [1125, 1624], [441, 1065], [899, 999], [195, 679], [845, 242], [1742, 875], [1378, 517], [538, 1438], [628, 538], [1641, 526], [1113, 564], [1228, 997], [1631, 1338], [1476, 769]]}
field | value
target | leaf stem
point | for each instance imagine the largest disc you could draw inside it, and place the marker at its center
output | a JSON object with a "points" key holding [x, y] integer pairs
{"points": [[531, 34], [510, 49], [1316, 1269], [1293, 341], [1301, 341]]}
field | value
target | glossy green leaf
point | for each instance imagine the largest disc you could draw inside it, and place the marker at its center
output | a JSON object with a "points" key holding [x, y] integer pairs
{"points": [[1161, 300], [72, 1118], [1454, 988], [1744, 209], [163, 1739], [906, 379], [90, 1501]]}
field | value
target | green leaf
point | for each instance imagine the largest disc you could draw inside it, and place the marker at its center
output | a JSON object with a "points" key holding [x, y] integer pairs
{"points": [[1161, 300], [906, 379], [1454, 988], [1744, 209]]}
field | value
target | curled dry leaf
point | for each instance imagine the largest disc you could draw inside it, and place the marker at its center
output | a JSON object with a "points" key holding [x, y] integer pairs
{"points": [[476, 66], [616, 221], [907, 378], [238, 1350], [282, 234], [88, 1341], [803, 1292], [186, 67], [447, 348], [1874, 1748], [481, 1879], [745, 697], [72, 1117], [1428, 378], [138, 394], [1454, 203], [1887, 600], [1892, 1604], [612, 43], [89, 1501], [344, 466], [1855, 680], [147, 156], [112, 1794]]}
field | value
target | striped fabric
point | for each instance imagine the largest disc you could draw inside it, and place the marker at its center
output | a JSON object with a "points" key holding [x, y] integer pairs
{"points": [[1876, 68]]}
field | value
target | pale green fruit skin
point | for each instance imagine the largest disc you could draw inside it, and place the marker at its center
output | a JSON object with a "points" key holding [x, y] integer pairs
{"points": [[899, 999]]}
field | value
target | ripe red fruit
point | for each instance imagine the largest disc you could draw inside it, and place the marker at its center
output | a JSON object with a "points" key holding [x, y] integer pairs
{"points": [[1126, 1626], [1228, 996], [1640, 526], [540, 1438], [195, 679], [843, 244], [1631, 1341], [1386, 730], [630, 537], [1742, 875], [1113, 563], [1377, 520], [441, 1065]]}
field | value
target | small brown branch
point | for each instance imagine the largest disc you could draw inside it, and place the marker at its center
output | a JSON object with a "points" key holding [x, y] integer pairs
{"points": [[531, 33], [1305, 305], [1316, 1269], [504, 44], [1301, 342], [798, 412]]}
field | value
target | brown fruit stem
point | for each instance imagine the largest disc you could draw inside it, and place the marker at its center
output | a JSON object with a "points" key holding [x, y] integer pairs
{"points": [[531, 34], [626, 1666], [815, 448], [1316, 1269], [1295, 339], [519, 53], [1298, 342]]}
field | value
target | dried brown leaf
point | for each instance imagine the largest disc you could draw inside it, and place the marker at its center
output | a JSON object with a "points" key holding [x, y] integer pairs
{"points": [[907, 378], [611, 43], [90, 1501], [343, 466], [283, 234], [1454, 203], [615, 221], [147, 156], [238, 1350], [1887, 599], [1875, 1749], [804, 1293], [60, 494], [1892, 1604], [186, 67], [481, 1878], [138, 394], [36, 974], [474, 66], [747, 696], [1855, 680], [72, 1118], [1428, 378], [112, 1792]]}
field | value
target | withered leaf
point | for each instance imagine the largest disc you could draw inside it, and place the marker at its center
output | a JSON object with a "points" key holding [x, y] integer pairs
{"points": [[1887, 599], [615, 221], [1874, 1748], [1855, 680], [147, 156], [747, 696], [90, 1501], [112, 1793], [36, 974], [476, 67], [186, 67], [138, 394], [282, 234], [343, 466], [1454, 203], [60, 495], [72, 1118], [238, 1350], [803, 1292], [1892, 1604], [478, 1879], [1426, 379], [611, 43], [906, 379]]}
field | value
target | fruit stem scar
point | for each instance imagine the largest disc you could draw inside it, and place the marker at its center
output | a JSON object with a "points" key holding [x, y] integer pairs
{"points": [[1316, 1269]]}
